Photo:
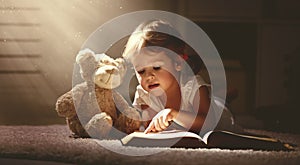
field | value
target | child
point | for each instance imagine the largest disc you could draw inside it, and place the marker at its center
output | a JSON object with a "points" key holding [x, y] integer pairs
{"points": [[168, 92]]}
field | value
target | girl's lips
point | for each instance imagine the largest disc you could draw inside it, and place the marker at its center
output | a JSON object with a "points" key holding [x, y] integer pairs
{"points": [[153, 86]]}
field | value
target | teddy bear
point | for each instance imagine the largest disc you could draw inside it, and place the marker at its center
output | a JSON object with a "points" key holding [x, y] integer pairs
{"points": [[93, 108]]}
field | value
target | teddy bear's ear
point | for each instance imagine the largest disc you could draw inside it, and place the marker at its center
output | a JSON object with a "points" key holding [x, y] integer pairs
{"points": [[85, 55], [87, 63]]}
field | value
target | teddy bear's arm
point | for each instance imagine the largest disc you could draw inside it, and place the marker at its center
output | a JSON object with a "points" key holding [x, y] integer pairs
{"points": [[65, 104]]}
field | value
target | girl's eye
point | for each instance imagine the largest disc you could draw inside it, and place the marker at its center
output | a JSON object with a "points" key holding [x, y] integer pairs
{"points": [[141, 71], [156, 67]]}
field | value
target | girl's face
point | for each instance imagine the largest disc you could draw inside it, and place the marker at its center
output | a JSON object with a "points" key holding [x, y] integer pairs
{"points": [[156, 72]]}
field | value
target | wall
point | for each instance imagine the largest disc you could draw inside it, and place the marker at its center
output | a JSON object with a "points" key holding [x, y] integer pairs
{"points": [[39, 40]]}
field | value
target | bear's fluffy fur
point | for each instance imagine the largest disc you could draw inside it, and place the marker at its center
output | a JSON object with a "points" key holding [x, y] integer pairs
{"points": [[93, 108]]}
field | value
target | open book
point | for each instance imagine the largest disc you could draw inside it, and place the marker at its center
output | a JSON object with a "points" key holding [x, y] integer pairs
{"points": [[212, 139]]}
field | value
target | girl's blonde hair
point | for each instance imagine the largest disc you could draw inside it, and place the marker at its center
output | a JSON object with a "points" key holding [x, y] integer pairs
{"points": [[157, 33]]}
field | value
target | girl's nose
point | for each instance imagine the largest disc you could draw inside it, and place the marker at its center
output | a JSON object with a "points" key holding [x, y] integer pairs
{"points": [[150, 75]]}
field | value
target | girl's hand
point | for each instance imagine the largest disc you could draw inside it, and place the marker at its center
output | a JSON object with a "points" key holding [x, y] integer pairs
{"points": [[161, 121]]}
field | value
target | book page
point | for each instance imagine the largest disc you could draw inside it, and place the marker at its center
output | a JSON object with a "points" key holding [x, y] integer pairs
{"points": [[170, 138], [165, 135], [205, 137]]}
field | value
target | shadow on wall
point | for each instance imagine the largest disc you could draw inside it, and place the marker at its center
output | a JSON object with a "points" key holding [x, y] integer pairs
{"points": [[285, 118]]}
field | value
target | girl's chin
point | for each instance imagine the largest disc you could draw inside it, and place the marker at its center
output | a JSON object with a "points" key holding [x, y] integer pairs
{"points": [[157, 92]]}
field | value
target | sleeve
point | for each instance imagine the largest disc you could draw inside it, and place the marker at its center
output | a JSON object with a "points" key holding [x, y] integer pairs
{"points": [[192, 87], [139, 97]]}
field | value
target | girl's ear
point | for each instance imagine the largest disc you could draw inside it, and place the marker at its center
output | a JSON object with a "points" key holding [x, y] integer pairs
{"points": [[178, 63], [178, 68]]}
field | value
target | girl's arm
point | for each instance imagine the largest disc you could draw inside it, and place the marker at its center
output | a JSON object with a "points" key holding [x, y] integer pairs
{"points": [[193, 121]]}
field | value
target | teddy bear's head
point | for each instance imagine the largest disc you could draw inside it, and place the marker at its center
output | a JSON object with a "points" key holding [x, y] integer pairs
{"points": [[106, 72]]}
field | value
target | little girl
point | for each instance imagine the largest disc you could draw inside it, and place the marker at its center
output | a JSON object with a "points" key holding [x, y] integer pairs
{"points": [[169, 92]]}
